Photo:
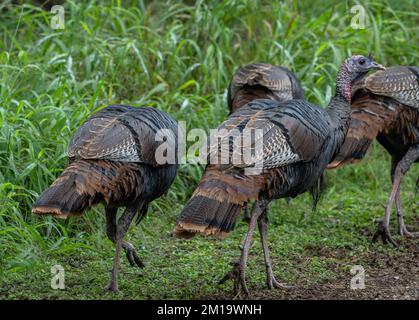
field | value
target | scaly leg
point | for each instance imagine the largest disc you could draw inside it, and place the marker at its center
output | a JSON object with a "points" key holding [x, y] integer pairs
{"points": [[129, 249], [399, 170], [384, 225], [400, 219], [400, 216], [113, 284], [121, 229], [263, 230], [238, 273]]}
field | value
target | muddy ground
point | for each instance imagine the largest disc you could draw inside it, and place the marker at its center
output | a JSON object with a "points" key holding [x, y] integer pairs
{"points": [[387, 277]]}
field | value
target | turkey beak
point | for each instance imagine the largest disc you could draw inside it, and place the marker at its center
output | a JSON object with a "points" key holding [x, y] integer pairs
{"points": [[375, 65]]}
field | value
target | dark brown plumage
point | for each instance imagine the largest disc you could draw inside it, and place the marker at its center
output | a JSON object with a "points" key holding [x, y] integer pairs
{"points": [[386, 106], [293, 142], [262, 81], [112, 160]]}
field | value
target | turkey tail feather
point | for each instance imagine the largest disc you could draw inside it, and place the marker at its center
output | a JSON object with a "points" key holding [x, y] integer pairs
{"points": [[62, 198], [208, 217], [84, 183], [216, 203]]}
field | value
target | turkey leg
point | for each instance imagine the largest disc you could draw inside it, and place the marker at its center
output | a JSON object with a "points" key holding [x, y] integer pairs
{"points": [[263, 230], [238, 273], [400, 170], [121, 229], [130, 252], [400, 216], [400, 219]]}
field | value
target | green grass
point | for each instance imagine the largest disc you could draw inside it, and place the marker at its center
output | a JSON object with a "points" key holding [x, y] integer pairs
{"points": [[178, 57]]}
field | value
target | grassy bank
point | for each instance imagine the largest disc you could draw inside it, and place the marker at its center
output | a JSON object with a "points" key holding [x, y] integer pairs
{"points": [[179, 58]]}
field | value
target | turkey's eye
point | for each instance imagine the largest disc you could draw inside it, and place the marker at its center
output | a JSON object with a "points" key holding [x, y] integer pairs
{"points": [[362, 62]]}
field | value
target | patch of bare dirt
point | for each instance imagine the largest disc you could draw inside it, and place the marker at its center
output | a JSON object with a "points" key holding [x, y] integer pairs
{"points": [[387, 276]]}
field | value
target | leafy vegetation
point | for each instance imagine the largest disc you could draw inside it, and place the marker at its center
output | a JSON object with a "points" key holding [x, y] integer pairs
{"points": [[179, 57]]}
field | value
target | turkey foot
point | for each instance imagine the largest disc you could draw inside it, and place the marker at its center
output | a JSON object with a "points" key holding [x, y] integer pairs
{"points": [[400, 219], [383, 232], [404, 232], [112, 287], [273, 283], [111, 230], [132, 255], [399, 168], [116, 232], [238, 273], [238, 276]]}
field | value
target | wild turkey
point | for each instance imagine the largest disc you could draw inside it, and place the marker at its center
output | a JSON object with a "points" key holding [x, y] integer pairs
{"points": [[112, 161], [298, 141], [385, 105], [262, 81]]}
